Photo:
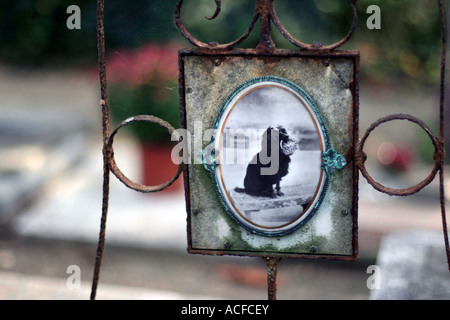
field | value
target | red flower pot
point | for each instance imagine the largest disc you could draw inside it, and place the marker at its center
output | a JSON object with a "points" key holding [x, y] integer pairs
{"points": [[158, 167]]}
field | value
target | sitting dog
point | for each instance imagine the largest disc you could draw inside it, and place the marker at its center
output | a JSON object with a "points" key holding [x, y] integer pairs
{"points": [[257, 181]]}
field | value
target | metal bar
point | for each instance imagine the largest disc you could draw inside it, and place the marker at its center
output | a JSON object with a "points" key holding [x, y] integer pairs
{"points": [[442, 127], [263, 8], [105, 125], [272, 270]]}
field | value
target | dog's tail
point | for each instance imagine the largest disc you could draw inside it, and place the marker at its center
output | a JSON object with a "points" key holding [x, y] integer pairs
{"points": [[240, 190]]}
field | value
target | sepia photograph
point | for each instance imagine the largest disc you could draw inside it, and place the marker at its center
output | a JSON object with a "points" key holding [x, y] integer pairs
{"points": [[270, 148]]}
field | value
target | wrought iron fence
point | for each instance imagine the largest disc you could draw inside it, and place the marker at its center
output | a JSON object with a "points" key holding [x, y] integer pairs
{"points": [[265, 13]]}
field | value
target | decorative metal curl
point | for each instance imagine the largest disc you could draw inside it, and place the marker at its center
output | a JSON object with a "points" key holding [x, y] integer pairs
{"points": [[211, 45], [218, 9], [315, 45], [438, 156], [264, 11], [115, 169]]}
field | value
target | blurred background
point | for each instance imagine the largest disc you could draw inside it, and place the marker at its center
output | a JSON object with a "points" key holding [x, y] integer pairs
{"points": [[51, 159]]}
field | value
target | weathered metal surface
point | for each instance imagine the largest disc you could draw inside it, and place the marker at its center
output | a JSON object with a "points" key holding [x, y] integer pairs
{"points": [[330, 79], [105, 131], [211, 45], [123, 178], [361, 157], [315, 45], [272, 271], [442, 127]]}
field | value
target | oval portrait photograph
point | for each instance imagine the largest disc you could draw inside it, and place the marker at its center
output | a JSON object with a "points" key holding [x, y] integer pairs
{"points": [[269, 144]]}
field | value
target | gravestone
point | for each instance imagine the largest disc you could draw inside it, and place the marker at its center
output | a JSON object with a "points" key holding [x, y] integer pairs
{"points": [[413, 266]]}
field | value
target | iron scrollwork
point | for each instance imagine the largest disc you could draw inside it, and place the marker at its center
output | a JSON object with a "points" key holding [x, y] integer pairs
{"points": [[265, 12]]}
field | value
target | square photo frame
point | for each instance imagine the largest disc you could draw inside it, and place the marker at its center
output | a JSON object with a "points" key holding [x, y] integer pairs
{"points": [[269, 148]]}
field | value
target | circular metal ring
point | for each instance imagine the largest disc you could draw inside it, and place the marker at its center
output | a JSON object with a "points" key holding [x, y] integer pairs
{"points": [[361, 157], [315, 46], [124, 179]]}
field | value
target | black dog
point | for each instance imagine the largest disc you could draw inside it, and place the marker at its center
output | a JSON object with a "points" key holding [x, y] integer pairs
{"points": [[256, 182]]}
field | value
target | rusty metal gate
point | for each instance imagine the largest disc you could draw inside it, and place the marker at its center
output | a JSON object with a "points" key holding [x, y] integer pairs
{"points": [[265, 13]]}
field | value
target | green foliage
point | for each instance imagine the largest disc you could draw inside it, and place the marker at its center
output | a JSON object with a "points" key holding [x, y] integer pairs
{"points": [[34, 32], [406, 47]]}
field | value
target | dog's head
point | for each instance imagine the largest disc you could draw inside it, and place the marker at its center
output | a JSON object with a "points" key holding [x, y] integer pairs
{"points": [[287, 146], [283, 134]]}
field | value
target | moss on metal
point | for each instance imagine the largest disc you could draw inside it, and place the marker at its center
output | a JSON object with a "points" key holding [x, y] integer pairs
{"points": [[209, 80]]}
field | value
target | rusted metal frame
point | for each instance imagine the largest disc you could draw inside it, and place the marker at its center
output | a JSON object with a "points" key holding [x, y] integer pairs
{"points": [[249, 53], [277, 53], [354, 87], [264, 255]]}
